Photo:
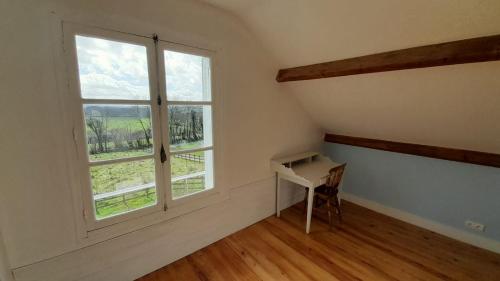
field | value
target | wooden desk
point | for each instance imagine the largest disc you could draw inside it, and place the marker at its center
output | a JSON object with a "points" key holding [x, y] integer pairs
{"points": [[309, 169]]}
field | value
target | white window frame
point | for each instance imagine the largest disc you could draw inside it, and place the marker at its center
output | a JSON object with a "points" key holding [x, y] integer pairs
{"points": [[169, 46], [166, 208]]}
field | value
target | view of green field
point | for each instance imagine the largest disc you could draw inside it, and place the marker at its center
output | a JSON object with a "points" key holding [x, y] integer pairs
{"points": [[108, 178], [118, 132]]}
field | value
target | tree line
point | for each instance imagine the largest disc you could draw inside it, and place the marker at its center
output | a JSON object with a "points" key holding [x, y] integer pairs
{"points": [[186, 124], [110, 130]]}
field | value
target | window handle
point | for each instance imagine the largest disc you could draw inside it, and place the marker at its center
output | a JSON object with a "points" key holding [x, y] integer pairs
{"points": [[163, 155]]}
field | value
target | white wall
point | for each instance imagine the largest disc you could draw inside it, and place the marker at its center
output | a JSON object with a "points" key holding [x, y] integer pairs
{"points": [[5, 272], [131, 256], [260, 119]]}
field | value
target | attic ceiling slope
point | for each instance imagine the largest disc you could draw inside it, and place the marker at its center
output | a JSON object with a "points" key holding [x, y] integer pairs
{"points": [[451, 106], [305, 32]]}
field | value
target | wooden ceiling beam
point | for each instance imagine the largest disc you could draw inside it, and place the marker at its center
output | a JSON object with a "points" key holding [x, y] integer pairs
{"points": [[445, 153], [457, 52]]}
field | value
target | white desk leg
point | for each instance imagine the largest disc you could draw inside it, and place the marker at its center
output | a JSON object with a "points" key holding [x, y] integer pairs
{"points": [[309, 208], [278, 195]]}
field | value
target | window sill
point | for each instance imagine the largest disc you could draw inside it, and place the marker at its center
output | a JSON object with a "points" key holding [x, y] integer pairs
{"points": [[105, 233]]}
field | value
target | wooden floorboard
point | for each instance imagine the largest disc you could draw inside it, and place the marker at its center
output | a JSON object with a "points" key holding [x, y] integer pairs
{"points": [[365, 246]]}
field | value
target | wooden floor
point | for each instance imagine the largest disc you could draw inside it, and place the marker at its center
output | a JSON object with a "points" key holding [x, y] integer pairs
{"points": [[366, 246]]}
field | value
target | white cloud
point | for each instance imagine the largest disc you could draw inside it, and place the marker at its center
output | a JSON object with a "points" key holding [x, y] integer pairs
{"points": [[112, 70], [99, 86], [116, 70], [184, 76]]}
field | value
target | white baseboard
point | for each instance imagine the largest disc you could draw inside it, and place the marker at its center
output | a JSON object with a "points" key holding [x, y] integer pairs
{"points": [[466, 237]]}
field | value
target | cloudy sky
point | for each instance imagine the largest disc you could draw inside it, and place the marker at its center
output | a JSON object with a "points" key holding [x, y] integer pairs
{"points": [[116, 70]]}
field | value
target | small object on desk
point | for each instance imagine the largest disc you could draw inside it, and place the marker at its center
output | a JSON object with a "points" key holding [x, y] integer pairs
{"points": [[308, 169]]}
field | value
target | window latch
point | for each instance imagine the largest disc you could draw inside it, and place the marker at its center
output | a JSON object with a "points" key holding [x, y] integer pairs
{"points": [[163, 155]]}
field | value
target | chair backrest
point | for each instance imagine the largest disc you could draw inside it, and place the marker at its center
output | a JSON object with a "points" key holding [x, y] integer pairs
{"points": [[333, 180]]}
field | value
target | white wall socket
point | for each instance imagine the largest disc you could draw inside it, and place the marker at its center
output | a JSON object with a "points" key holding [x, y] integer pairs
{"points": [[474, 225]]}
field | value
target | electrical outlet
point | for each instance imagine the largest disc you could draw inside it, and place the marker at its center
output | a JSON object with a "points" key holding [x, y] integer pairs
{"points": [[474, 225]]}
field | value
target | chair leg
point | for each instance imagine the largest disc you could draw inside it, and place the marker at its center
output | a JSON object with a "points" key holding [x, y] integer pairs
{"points": [[329, 207], [305, 201], [337, 206], [318, 202]]}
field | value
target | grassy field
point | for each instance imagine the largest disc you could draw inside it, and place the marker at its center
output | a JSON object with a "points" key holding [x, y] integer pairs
{"points": [[117, 205], [141, 199], [107, 178], [111, 177], [121, 132], [121, 154]]}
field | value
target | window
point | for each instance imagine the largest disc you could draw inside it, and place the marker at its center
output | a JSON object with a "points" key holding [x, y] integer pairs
{"points": [[189, 98], [144, 131]]}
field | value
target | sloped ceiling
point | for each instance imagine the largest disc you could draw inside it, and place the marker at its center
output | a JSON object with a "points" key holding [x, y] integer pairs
{"points": [[454, 106]]}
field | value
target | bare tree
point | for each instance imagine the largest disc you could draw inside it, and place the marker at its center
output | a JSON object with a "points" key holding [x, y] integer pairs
{"points": [[118, 136], [145, 128], [97, 127], [194, 137], [171, 125]]}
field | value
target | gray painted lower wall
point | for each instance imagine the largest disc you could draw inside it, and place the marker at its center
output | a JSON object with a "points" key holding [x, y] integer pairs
{"points": [[443, 191]]}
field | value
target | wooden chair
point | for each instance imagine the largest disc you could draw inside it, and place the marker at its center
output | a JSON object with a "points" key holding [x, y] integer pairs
{"points": [[329, 193]]}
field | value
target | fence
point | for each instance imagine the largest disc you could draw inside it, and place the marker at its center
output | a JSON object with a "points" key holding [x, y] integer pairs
{"points": [[181, 186], [109, 199], [188, 184], [191, 157]]}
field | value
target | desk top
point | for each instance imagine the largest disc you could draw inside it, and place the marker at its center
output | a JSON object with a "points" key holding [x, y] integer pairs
{"points": [[309, 169], [295, 157]]}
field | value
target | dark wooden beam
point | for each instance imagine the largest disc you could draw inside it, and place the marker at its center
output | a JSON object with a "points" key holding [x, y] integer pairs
{"points": [[457, 52], [453, 154]]}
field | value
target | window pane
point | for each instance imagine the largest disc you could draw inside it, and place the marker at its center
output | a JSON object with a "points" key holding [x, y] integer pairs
{"points": [[191, 172], [190, 126], [118, 131], [112, 70], [123, 187], [187, 76]]}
